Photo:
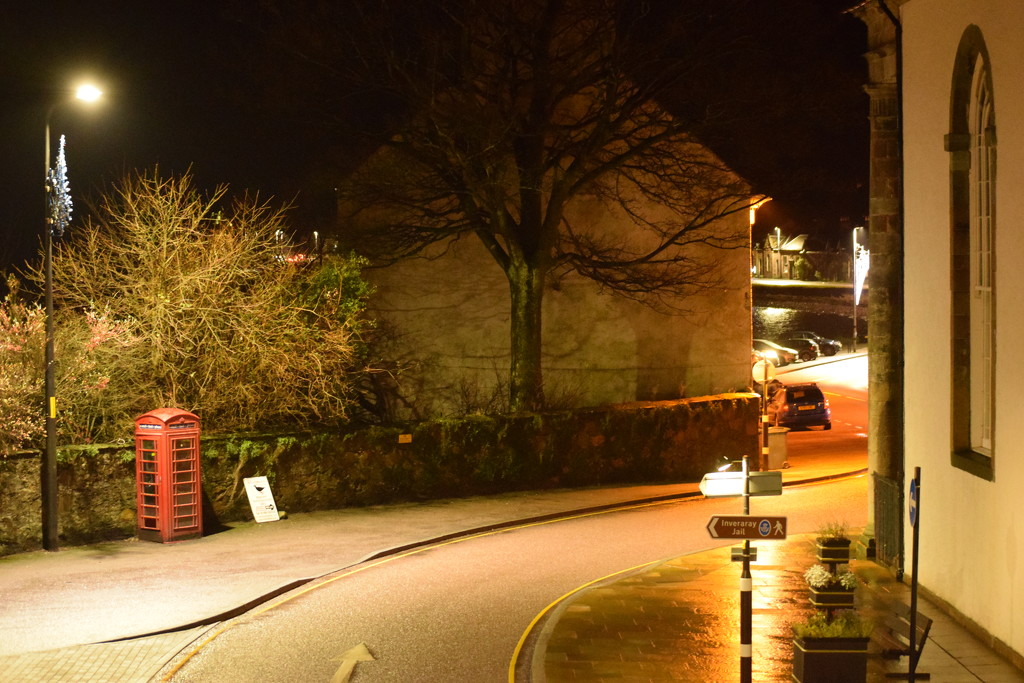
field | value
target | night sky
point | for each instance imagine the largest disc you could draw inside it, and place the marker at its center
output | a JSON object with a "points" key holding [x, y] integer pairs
{"points": [[183, 91]]}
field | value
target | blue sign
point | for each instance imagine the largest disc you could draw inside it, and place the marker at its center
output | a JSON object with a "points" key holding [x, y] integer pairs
{"points": [[913, 502], [764, 528]]}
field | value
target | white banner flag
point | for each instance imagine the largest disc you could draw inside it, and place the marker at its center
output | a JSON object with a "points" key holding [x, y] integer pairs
{"points": [[860, 272]]}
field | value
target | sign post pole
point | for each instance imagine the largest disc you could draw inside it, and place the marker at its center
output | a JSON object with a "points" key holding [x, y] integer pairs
{"points": [[767, 373], [915, 519], [746, 593], [764, 421], [725, 484]]}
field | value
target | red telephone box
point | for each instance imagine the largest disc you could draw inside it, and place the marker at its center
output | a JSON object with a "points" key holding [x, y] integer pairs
{"points": [[168, 489]]}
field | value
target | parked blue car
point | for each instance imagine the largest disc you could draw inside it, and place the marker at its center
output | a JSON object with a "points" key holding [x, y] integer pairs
{"points": [[800, 405]]}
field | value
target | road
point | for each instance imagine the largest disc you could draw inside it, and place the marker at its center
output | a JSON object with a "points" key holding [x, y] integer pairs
{"points": [[844, 380], [456, 611], [845, 384]]}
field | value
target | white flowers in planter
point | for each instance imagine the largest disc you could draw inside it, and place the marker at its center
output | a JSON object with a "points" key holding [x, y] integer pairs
{"points": [[819, 577]]}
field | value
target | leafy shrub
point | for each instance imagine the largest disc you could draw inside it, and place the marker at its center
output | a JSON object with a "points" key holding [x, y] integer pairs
{"points": [[845, 624]]}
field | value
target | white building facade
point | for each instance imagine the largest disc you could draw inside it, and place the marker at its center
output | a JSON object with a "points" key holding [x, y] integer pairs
{"points": [[963, 151]]}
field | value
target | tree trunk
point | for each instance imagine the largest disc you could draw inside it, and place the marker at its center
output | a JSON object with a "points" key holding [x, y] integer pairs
{"points": [[526, 384]]}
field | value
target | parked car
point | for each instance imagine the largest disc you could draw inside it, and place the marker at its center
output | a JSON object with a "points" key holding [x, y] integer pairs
{"points": [[800, 405], [776, 353], [827, 347], [806, 349]]}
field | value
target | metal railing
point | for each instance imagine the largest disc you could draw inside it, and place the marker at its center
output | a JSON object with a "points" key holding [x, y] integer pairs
{"points": [[888, 522]]}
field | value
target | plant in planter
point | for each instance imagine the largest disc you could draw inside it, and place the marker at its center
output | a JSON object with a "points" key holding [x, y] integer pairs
{"points": [[832, 648], [830, 588], [833, 543]]}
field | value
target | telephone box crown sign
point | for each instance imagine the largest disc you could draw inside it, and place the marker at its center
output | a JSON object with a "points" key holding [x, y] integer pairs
{"points": [[167, 416]]}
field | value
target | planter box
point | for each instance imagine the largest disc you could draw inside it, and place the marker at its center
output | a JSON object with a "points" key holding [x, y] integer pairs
{"points": [[830, 660], [834, 551], [835, 596]]}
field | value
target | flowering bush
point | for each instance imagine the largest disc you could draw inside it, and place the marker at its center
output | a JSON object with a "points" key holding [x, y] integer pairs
{"points": [[88, 348], [22, 337], [819, 578]]}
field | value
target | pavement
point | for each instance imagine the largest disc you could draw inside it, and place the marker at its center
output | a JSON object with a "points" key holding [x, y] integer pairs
{"points": [[122, 611]]}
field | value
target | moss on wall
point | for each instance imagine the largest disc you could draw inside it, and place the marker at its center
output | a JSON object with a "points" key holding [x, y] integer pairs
{"points": [[669, 441]]}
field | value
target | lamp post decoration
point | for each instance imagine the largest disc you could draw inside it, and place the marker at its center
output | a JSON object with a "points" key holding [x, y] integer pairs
{"points": [[59, 194]]}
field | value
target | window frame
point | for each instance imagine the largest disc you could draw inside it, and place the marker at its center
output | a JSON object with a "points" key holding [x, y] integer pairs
{"points": [[971, 144]]}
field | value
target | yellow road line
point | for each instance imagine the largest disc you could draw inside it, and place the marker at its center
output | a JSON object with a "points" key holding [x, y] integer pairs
{"points": [[320, 584], [543, 612]]}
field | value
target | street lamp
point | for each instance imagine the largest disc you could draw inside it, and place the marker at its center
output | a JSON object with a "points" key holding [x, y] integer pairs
{"points": [[58, 212]]}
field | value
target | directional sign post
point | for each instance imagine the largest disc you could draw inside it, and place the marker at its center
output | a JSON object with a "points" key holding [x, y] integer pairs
{"points": [[729, 484], [747, 527]]}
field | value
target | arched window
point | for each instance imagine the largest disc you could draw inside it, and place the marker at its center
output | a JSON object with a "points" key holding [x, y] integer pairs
{"points": [[972, 147]]}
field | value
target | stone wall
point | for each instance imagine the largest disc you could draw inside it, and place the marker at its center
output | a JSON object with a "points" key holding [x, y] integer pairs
{"points": [[669, 441]]}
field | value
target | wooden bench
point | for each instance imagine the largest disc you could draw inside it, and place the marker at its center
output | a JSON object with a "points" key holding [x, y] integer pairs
{"points": [[894, 637]]}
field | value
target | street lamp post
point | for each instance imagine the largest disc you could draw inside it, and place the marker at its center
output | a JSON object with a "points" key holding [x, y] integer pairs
{"points": [[54, 219], [778, 252]]}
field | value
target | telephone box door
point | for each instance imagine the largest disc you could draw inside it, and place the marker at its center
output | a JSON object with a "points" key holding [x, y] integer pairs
{"points": [[168, 484]]}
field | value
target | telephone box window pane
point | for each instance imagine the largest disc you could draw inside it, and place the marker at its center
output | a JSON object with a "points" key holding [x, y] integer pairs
{"points": [[183, 477], [185, 488], [148, 478], [148, 444], [183, 466], [149, 489], [184, 499], [185, 510], [184, 523], [149, 500], [183, 444], [149, 523], [149, 467], [149, 455]]}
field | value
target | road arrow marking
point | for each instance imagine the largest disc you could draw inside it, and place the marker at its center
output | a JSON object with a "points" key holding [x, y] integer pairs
{"points": [[359, 653]]}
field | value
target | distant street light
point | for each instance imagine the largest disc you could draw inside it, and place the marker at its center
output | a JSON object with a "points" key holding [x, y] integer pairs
{"points": [[856, 283], [58, 213]]}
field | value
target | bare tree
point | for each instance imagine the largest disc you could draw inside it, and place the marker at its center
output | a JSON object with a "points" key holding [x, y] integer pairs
{"points": [[188, 303], [513, 113]]}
